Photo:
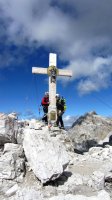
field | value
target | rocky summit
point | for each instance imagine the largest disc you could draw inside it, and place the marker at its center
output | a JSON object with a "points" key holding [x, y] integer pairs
{"points": [[90, 130], [37, 163]]}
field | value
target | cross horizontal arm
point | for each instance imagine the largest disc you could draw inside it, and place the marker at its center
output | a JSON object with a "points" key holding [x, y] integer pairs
{"points": [[39, 70], [65, 73]]}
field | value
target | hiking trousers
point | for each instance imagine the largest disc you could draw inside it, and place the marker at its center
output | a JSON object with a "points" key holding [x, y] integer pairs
{"points": [[59, 119]]}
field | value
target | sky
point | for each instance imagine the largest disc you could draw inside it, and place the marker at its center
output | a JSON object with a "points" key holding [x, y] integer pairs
{"points": [[79, 32]]}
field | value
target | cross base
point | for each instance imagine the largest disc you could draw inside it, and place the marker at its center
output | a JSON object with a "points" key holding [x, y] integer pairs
{"points": [[52, 115]]}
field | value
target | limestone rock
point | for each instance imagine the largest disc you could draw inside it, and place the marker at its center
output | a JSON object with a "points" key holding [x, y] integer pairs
{"points": [[11, 166], [98, 180], [12, 190], [6, 185], [8, 128], [35, 124], [101, 195], [101, 153], [14, 149], [20, 136], [46, 155], [27, 194], [89, 130], [7, 172]]}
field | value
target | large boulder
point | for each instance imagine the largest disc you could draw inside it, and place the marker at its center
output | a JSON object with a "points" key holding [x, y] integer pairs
{"points": [[46, 155], [89, 130], [8, 128]]}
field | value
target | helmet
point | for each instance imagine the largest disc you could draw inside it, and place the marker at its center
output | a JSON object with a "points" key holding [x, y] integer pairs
{"points": [[46, 93], [57, 95]]}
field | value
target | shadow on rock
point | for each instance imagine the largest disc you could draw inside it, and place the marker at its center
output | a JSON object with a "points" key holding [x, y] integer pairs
{"points": [[80, 148], [83, 147], [61, 180]]}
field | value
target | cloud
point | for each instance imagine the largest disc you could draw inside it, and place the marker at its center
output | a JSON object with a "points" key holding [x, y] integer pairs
{"points": [[69, 120], [93, 74], [80, 31]]}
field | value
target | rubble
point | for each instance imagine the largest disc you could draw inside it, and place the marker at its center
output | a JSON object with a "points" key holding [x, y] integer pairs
{"points": [[38, 163]]}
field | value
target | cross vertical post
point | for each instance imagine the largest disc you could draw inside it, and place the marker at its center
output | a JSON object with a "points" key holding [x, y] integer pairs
{"points": [[52, 114]]}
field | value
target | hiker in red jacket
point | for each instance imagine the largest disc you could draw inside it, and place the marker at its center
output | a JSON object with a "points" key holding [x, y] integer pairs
{"points": [[45, 104]]}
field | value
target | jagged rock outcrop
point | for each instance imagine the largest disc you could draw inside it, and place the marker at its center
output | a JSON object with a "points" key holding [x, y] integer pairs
{"points": [[46, 155], [12, 165], [89, 130], [8, 128]]}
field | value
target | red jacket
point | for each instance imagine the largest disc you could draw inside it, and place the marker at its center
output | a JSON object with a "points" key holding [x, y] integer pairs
{"points": [[45, 101]]}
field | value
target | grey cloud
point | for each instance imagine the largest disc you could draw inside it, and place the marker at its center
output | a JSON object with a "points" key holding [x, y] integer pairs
{"points": [[81, 31]]}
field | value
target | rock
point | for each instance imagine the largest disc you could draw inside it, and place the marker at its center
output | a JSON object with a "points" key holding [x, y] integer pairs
{"points": [[8, 128], [5, 185], [27, 194], [106, 140], [12, 190], [20, 136], [110, 139], [88, 130], [101, 195], [13, 115], [83, 183], [101, 153], [108, 177], [49, 158], [7, 172], [48, 153], [14, 149], [98, 180], [35, 124], [12, 166], [69, 187]]}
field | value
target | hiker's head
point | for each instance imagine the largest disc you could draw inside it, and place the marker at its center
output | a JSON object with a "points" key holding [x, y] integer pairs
{"points": [[46, 94], [57, 96]]}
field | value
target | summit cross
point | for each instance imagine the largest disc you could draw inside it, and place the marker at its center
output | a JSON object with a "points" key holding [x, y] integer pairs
{"points": [[52, 72]]}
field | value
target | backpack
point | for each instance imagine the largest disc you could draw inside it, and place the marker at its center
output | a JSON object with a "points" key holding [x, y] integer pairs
{"points": [[63, 102]]}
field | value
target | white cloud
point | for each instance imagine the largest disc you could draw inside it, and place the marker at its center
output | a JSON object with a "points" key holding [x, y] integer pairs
{"points": [[81, 31], [94, 73], [69, 120]]}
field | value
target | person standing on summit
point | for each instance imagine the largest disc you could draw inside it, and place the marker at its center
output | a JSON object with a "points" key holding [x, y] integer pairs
{"points": [[45, 104], [61, 107]]}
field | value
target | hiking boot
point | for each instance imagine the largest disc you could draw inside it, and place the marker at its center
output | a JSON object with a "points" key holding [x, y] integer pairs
{"points": [[62, 127]]}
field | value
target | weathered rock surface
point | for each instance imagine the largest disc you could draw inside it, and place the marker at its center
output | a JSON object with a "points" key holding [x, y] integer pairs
{"points": [[14, 149], [48, 152], [8, 128], [102, 195], [32, 194], [20, 136], [27, 194], [11, 166], [46, 155], [89, 130]]}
